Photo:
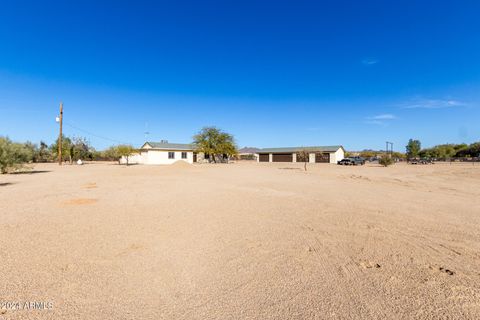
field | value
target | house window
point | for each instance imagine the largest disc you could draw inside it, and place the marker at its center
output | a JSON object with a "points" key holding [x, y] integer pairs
{"points": [[184, 155], [171, 155]]}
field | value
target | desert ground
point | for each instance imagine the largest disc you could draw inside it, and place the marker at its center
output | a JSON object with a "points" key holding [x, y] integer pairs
{"points": [[241, 241]]}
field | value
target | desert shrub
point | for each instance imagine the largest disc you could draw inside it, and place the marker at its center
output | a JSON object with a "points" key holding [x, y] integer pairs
{"points": [[385, 160], [13, 155]]}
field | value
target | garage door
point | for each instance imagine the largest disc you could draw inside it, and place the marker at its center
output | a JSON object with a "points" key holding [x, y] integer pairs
{"points": [[264, 157], [302, 157], [282, 157], [322, 157]]}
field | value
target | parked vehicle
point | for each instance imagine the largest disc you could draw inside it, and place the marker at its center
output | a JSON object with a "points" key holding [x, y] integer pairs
{"points": [[413, 161], [352, 161], [421, 161], [345, 162], [358, 161], [426, 161]]}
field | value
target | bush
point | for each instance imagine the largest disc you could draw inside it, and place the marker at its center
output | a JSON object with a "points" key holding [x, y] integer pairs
{"points": [[385, 160], [13, 155]]}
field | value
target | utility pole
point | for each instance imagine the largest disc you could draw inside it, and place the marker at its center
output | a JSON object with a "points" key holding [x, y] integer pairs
{"points": [[60, 135], [387, 150]]}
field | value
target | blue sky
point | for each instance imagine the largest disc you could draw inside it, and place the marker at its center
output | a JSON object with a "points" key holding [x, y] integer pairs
{"points": [[273, 73]]}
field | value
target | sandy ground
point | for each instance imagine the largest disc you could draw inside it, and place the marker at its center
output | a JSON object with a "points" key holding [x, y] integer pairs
{"points": [[241, 241]]}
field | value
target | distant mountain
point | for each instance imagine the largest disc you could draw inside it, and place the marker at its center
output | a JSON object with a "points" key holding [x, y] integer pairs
{"points": [[248, 150]]}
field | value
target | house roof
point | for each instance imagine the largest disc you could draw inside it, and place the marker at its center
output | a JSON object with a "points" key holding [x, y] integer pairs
{"points": [[297, 149], [248, 150], [168, 146]]}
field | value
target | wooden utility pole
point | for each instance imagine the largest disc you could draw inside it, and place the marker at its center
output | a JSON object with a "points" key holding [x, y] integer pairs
{"points": [[60, 135]]}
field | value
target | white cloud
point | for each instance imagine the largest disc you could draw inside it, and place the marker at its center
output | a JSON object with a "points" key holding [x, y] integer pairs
{"points": [[369, 61], [385, 116], [380, 119], [433, 104]]}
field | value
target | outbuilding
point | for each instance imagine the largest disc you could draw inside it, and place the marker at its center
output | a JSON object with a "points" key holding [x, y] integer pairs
{"points": [[317, 154]]}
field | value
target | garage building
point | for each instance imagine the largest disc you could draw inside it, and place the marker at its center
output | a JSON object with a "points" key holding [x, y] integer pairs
{"points": [[325, 154]]}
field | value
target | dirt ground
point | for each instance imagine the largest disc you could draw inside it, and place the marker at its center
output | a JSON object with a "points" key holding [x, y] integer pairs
{"points": [[241, 241]]}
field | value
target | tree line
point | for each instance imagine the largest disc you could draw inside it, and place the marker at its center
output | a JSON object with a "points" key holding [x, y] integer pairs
{"points": [[14, 154], [216, 144], [442, 151]]}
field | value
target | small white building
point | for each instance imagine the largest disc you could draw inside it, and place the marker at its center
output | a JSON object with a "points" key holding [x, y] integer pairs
{"points": [[324, 154], [164, 153]]}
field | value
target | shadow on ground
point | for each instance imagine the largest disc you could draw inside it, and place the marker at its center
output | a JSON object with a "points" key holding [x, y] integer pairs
{"points": [[31, 172]]}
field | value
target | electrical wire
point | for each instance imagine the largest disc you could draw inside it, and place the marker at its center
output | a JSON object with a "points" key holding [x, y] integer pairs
{"points": [[93, 134]]}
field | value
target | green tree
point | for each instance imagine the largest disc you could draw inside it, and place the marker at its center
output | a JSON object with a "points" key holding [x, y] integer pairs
{"points": [[460, 148], [117, 152], [445, 151], [111, 153], [215, 143], [474, 149], [13, 155], [97, 155], [44, 154], [413, 148], [31, 150], [81, 149], [125, 150], [67, 149]]}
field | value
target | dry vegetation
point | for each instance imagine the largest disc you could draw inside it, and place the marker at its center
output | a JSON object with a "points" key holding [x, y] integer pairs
{"points": [[242, 241]]}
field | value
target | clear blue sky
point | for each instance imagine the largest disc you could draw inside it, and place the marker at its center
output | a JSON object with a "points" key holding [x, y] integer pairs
{"points": [[273, 73]]}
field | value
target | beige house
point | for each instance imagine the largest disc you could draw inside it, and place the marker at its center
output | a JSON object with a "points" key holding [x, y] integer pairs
{"points": [[318, 154], [164, 152]]}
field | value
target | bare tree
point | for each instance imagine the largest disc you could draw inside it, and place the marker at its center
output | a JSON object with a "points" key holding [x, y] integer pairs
{"points": [[303, 156]]}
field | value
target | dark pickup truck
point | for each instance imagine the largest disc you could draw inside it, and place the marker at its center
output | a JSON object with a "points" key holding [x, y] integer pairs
{"points": [[352, 161]]}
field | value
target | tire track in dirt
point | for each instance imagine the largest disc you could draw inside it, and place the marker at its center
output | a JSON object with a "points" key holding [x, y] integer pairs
{"points": [[363, 268], [437, 259], [350, 271], [441, 254]]}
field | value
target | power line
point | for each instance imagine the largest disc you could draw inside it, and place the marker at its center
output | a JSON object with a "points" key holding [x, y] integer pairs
{"points": [[93, 134]]}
